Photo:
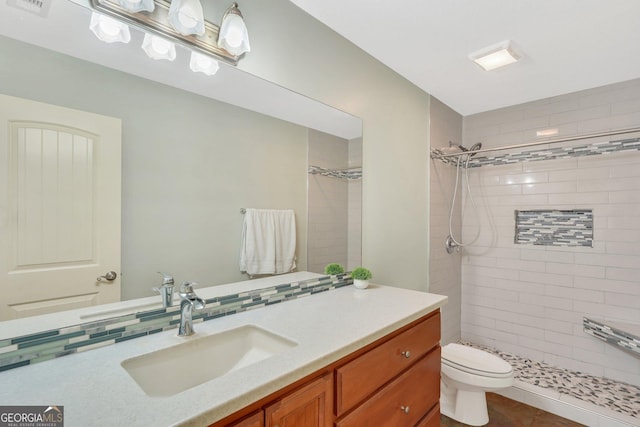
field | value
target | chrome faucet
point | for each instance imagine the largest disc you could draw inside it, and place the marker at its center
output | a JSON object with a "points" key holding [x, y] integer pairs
{"points": [[166, 289], [189, 302]]}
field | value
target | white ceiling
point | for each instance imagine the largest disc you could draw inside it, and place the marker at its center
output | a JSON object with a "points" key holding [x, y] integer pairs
{"points": [[568, 45]]}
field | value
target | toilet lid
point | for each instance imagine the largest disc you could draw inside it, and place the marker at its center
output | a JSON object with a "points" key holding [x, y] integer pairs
{"points": [[476, 361]]}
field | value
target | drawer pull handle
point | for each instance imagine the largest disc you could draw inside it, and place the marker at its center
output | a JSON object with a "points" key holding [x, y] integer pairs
{"points": [[404, 409], [406, 354]]}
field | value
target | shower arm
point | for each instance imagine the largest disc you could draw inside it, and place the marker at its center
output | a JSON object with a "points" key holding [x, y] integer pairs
{"points": [[436, 155]]}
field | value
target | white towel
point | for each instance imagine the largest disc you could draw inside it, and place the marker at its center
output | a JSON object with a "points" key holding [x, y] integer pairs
{"points": [[268, 241]]}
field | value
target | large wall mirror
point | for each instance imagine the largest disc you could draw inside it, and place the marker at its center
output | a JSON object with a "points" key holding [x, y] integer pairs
{"points": [[196, 149]]}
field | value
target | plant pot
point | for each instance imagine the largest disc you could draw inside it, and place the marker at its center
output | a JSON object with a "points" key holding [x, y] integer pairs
{"points": [[360, 284]]}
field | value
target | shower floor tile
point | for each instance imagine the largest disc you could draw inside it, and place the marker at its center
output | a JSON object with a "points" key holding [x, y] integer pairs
{"points": [[612, 395]]}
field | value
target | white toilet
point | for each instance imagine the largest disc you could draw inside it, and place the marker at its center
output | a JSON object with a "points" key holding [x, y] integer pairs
{"points": [[467, 373]]}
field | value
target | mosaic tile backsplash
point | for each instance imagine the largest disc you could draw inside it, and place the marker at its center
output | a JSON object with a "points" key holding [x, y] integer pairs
{"points": [[349, 173], [612, 335], [616, 396], [555, 227], [594, 149], [34, 348]]}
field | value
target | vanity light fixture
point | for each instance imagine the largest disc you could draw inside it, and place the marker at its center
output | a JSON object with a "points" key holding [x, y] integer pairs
{"points": [[109, 30], [137, 5], [233, 35], [200, 63], [187, 17], [495, 56], [175, 28], [158, 48]]}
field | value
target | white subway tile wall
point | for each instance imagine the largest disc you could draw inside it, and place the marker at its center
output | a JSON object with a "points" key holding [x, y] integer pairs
{"points": [[334, 205], [531, 300], [354, 220]]}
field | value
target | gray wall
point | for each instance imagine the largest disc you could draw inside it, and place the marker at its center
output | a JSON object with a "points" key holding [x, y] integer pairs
{"points": [[395, 113], [189, 165], [445, 269]]}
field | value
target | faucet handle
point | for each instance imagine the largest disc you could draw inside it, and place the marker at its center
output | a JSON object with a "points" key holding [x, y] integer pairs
{"points": [[187, 287], [167, 279]]}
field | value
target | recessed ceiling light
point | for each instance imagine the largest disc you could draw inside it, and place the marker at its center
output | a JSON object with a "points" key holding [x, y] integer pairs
{"points": [[547, 132], [495, 56]]}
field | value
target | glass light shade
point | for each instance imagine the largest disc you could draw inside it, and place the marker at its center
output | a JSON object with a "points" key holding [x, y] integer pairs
{"points": [[187, 17], [137, 5], [233, 36], [158, 48], [108, 29], [495, 56], [200, 63]]}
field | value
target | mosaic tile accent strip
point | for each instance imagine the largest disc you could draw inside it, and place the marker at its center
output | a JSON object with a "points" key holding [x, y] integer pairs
{"points": [[594, 149], [350, 173], [554, 227], [609, 334], [617, 396], [35, 348]]}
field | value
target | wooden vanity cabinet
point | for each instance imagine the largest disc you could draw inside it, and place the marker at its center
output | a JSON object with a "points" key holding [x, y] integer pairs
{"points": [[393, 382], [254, 420], [309, 406]]}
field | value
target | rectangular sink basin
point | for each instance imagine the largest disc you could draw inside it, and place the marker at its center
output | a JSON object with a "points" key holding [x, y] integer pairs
{"points": [[175, 369]]}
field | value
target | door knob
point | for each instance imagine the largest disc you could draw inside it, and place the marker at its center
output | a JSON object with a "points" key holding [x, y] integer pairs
{"points": [[109, 277]]}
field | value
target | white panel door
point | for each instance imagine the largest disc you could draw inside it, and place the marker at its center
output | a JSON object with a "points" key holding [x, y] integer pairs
{"points": [[59, 208]]}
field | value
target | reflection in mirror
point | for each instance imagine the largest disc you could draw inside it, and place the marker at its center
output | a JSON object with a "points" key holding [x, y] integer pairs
{"points": [[334, 201], [189, 163]]}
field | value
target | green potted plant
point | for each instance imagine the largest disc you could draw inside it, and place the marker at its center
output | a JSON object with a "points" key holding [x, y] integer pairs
{"points": [[361, 276], [333, 269]]}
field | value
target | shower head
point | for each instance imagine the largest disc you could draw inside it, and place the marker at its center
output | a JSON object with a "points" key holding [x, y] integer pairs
{"points": [[458, 148], [452, 149], [475, 147]]}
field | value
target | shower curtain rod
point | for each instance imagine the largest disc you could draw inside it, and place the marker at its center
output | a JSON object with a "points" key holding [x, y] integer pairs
{"points": [[337, 169], [534, 143]]}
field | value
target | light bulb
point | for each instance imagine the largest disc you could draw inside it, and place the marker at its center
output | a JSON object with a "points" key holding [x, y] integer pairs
{"points": [[158, 48], [233, 35], [108, 29], [186, 17], [137, 5], [203, 64]]}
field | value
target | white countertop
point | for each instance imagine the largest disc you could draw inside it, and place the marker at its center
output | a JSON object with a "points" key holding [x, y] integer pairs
{"points": [[96, 391]]}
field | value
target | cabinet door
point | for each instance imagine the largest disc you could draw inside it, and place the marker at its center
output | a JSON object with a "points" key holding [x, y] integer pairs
{"points": [[254, 420], [309, 406]]}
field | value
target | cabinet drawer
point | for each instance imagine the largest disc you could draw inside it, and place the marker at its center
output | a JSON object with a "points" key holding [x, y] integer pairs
{"points": [[432, 419], [254, 420], [404, 401], [361, 377]]}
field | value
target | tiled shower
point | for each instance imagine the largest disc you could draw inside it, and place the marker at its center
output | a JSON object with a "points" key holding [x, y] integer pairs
{"points": [[529, 299], [334, 201]]}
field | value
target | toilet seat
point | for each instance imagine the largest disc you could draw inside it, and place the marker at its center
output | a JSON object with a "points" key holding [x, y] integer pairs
{"points": [[474, 361]]}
